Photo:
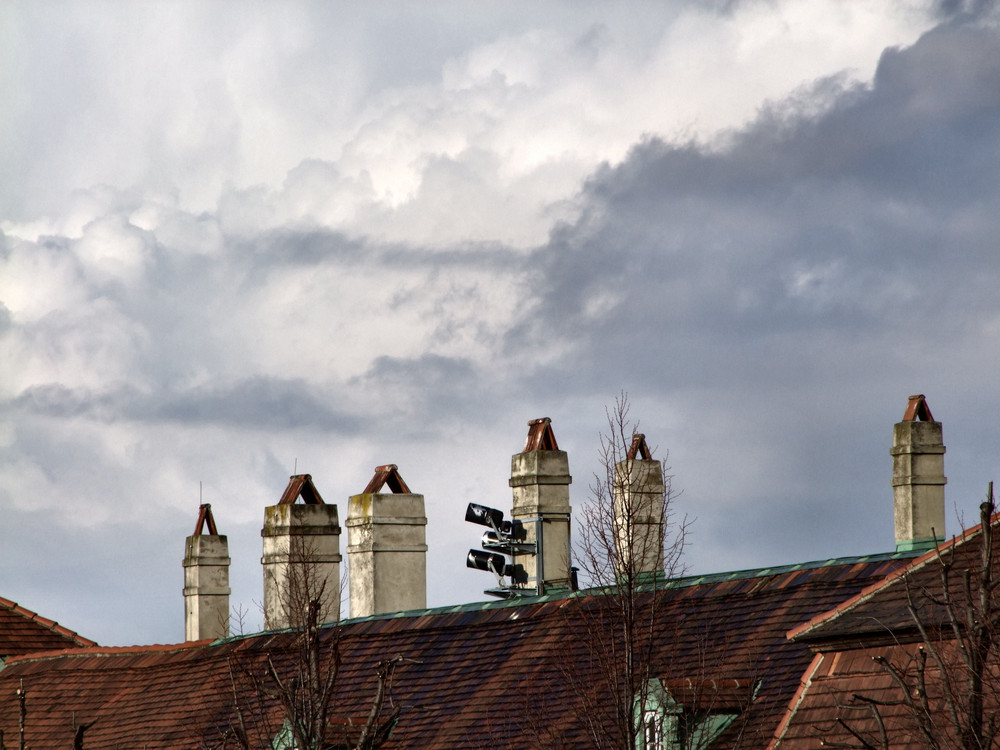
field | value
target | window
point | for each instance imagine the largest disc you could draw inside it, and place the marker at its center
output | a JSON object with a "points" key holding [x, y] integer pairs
{"points": [[652, 731]]}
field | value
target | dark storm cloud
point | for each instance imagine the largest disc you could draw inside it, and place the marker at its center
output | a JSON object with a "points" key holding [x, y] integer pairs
{"points": [[306, 247], [299, 247], [792, 287], [876, 216], [964, 10], [428, 371], [258, 402], [255, 402], [428, 392]]}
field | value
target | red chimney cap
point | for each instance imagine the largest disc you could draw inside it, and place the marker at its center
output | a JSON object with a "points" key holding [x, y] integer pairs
{"points": [[540, 436], [917, 409], [388, 474], [205, 517], [301, 485]]}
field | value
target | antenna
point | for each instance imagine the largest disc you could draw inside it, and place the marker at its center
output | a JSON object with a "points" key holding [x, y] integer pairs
{"points": [[295, 471]]}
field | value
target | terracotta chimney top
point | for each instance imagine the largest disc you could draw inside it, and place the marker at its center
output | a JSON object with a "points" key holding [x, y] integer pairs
{"points": [[388, 474], [917, 410], [205, 518], [540, 436], [301, 485]]}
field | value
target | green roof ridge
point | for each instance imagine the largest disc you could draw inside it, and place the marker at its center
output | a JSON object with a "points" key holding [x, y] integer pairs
{"points": [[673, 583], [680, 582]]}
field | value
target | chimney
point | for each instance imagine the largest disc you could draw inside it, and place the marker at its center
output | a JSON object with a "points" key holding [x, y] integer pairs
{"points": [[206, 581], [638, 503], [387, 547], [918, 478], [539, 477], [301, 557]]}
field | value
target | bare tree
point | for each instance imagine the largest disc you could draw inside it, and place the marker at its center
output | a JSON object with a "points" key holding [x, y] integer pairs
{"points": [[284, 694], [947, 674], [629, 542]]}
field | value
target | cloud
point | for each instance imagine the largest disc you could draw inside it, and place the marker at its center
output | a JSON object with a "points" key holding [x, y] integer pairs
{"points": [[196, 101], [817, 223], [343, 238], [818, 264]]}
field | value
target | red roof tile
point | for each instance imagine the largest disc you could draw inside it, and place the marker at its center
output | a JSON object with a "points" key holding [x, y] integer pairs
{"points": [[23, 631], [834, 700], [881, 609], [834, 704], [489, 675]]}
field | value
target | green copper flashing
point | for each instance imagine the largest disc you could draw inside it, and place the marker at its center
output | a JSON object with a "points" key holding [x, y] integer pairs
{"points": [[657, 580], [918, 545]]}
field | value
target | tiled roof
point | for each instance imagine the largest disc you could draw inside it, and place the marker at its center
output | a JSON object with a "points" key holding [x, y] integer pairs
{"points": [[23, 631], [827, 709], [503, 674], [834, 700], [880, 611]]}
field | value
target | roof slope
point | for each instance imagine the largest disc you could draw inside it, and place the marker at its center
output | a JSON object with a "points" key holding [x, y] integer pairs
{"points": [[503, 674], [23, 631], [835, 705], [881, 610], [835, 699]]}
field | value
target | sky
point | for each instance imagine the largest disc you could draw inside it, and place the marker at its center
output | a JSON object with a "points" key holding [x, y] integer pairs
{"points": [[239, 242]]}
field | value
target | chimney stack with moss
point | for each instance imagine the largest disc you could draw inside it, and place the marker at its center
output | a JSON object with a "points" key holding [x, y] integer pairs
{"points": [[301, 557], [638, 500], [918, 478], [387, 547], [540, 479], [206, 580]]}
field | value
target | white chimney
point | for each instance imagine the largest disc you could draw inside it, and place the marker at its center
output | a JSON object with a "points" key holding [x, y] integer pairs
{"points": [[540, 479], [387, 550], [206, 581], [918, 478], [301, 557], [638, 500]]}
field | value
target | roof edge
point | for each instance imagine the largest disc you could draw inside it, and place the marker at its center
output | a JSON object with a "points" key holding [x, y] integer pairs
{"points": [[96, 650], [803, 631], [46, 623]]}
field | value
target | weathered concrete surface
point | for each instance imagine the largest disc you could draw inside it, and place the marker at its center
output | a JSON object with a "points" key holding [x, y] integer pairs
{"points": [[638, 512], [540, 482], [206, 587], [301, 562], [918, 482], [387, 553]]}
